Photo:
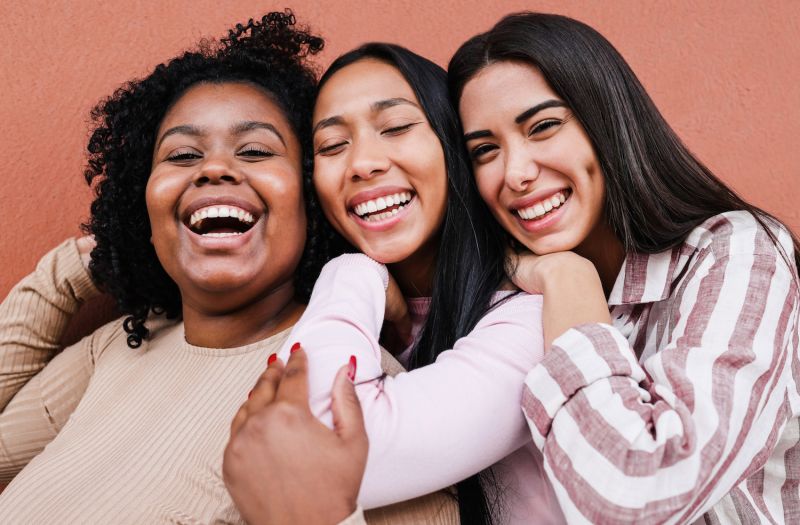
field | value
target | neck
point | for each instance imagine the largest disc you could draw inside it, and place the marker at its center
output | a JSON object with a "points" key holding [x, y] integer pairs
{"points": [[254, 321], [606, 252], [414, 274]]}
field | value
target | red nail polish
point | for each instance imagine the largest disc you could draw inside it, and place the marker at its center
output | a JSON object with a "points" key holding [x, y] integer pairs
{"points": [[351, 368], [272, 359], [295, 348]]}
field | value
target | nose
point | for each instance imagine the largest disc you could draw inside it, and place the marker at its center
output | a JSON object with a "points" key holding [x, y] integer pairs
{"points": [[521, 169], [216, 169], [367, 159]]}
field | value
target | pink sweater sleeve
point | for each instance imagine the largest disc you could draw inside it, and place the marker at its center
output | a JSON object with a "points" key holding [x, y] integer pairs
{"points": [[434, 426]]}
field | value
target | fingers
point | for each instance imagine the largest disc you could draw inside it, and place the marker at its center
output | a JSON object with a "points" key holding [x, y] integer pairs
{"points": [[266, 387], [293, 386], [263, 393], [348, 419]]}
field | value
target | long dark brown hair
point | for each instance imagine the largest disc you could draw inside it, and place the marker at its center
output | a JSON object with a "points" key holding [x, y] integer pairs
{"points": [[657, 191]]}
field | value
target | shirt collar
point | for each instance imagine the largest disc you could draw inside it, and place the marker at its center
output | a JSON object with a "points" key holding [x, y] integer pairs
{"points": [[645, 278]]}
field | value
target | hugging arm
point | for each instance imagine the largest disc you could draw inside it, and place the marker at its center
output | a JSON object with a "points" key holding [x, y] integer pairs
{"points": [[433, 426]]}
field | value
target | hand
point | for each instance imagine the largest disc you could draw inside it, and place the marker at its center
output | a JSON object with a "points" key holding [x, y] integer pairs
{"points": [[535, 273], [573, 293], [281, 465], [85, 246], [396, 316]]}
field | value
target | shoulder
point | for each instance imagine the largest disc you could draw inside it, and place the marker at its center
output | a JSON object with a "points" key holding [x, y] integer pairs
{"points": [[740, 233]]}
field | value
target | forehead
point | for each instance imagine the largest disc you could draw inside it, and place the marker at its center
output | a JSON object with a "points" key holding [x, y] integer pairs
{"points": [[501, 88], [216, 106], [354, 87]]}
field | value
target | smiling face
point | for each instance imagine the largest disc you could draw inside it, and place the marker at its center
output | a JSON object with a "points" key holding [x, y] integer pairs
{"points": [[379, 167], [225, 196], [534, 164]]}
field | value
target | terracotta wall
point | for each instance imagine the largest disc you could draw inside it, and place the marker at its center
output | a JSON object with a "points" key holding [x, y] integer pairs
{"points": [[725, 73]]}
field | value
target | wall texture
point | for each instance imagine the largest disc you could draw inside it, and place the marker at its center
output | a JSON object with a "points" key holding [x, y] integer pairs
{"points": [[725, 73]]}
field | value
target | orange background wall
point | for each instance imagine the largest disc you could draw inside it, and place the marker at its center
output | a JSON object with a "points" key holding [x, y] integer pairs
{"points": [[725, 73]]}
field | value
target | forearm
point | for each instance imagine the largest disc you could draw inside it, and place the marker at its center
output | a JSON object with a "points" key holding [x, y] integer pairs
{"points": [[35, 314], [572, 297], [436, 425], [678, 433]]}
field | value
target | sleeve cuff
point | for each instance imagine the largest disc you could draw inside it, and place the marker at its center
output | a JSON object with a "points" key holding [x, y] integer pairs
{"points": [[356, 518], [71, 269], [581, 356], [359, 260]]}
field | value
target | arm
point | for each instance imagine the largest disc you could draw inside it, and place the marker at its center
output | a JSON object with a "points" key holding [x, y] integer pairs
{"points": [[32, 320], [35, 314], [37, 413], [663, 442], [436, 425]]}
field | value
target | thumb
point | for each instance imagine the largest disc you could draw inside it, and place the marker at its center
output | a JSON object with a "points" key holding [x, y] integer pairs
{"points": [[348, 420]]}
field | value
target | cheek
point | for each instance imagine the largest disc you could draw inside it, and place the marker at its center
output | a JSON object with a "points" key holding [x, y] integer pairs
{"points": [[329, 190], [489, 185]]}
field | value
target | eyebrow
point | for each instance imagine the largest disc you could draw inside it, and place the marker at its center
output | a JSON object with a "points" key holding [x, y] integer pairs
{"points": [[236, 129], [522, 117], [181, 130], [390, 103], [376, 107], [243, 127]]}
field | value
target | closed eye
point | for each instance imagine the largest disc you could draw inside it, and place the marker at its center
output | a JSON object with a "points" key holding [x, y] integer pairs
{"points": [[331, 149], [399, 130], [256, 152], [184, 156]]}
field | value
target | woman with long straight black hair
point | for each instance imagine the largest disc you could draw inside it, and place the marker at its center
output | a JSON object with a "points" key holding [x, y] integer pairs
{"points": [[668, 391], [393, 179]]}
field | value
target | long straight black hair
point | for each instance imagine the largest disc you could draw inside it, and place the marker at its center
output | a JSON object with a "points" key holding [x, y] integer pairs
{"points": [[657, 192], [469, 267]]}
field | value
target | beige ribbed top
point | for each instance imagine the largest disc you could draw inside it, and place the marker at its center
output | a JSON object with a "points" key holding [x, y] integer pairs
{"points": [[111, 434], [122, 435]]}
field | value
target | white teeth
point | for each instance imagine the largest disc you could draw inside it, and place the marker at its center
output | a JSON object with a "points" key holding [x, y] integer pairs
{"points": [[221, 211], [226, 234], [544, 206], [381, 203]]}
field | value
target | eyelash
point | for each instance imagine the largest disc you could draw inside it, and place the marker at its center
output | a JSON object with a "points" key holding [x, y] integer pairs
{"points": [[255, 151], [183, 156], [544, 125], [539, 127], [396, 130]]}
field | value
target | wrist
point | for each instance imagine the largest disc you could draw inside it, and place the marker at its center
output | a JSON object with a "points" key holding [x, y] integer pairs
{"points": [[564, 271]]}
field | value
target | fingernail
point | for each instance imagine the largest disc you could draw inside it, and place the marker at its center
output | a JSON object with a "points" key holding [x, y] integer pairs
{"points": [[249, 394], [351, 368], [272, 359], [295, 348]]}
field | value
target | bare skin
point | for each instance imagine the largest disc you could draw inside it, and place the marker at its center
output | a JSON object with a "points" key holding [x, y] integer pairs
{"points": [[274, 428]]}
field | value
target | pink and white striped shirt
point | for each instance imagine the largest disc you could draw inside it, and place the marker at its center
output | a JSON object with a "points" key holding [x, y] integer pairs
{"points": [[685, 409]]}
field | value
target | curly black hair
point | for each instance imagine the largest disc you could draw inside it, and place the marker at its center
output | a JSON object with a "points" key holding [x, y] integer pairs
{"points": [[272, 53]]}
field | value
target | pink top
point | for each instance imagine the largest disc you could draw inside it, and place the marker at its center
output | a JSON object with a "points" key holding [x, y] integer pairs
{"points": [[686, 407], [436, 425]]}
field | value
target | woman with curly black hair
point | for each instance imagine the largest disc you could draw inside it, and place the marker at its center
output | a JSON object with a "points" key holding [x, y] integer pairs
{"points": [[209, 237]]}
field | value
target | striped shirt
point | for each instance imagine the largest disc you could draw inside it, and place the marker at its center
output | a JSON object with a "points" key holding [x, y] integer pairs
{"points": [[685, 408]]}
